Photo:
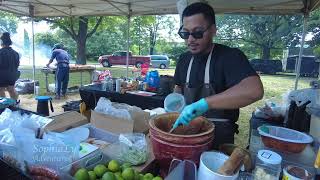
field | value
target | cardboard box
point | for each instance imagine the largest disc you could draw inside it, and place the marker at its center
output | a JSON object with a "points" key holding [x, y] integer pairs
{"points": [[66, 120], [118, 125]]}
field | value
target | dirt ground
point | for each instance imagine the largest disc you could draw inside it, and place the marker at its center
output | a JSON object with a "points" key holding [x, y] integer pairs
{"points": [[28, 102]]}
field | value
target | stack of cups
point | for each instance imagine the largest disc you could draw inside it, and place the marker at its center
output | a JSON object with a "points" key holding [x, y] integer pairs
{"points": [[118, 85]]}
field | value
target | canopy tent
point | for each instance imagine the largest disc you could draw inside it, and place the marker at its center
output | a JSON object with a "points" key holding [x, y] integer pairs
{"points": [[56, 8], [50, 8]]}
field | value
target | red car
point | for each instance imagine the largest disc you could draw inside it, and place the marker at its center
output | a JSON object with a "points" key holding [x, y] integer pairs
{"points": [[120, 58]]}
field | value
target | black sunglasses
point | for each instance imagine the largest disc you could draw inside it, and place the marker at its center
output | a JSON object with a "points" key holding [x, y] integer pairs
{"points": [[196, 35]]}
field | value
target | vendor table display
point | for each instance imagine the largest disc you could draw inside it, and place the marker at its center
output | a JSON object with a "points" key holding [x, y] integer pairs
{"points": [[305, 159], [73, 69], [90, 94]]}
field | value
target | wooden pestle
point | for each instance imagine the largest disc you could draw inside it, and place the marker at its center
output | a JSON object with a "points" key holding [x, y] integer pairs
{"points": [[232, 165]]}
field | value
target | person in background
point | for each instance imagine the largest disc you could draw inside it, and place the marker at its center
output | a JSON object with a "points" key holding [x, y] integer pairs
{"points": [[62, 72], [9, 63], [216, 80]]}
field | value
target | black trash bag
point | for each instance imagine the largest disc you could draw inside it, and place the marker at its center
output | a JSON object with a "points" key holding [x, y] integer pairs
{"points": [[25, 86]]}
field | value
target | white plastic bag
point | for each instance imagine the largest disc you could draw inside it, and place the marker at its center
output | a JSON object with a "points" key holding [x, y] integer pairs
{"points": [[133, 148], [54, 151], [105, 106]]}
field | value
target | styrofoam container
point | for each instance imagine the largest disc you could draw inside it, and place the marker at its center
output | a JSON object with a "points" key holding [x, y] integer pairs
{"points": [[286, 134], [174, 102], [210, 162]]}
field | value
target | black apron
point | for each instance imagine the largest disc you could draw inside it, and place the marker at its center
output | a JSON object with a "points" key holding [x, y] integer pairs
{"points": [[224, 128]]}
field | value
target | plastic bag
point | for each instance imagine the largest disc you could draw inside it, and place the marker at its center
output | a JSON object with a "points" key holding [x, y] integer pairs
{"points": [[105, 106], [54, 151], [271, 110], [133, 148]]}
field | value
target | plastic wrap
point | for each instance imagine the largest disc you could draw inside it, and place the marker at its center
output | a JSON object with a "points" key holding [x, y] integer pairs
{"points": [[302, 96], [105, 106], [134, 148], [54, 151]]}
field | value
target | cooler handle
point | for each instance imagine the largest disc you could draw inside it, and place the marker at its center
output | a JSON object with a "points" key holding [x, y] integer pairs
{"points": [[93, 160]]}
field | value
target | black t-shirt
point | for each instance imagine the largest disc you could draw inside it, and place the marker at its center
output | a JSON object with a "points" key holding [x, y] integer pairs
{"points": [[9, 63], [228, 67]]}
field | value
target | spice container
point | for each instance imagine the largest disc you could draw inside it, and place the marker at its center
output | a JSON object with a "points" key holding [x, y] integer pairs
{"points": [[268, 165]]}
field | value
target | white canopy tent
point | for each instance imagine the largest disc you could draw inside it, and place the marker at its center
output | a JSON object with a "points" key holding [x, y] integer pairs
{"points": [[56, 8], [50, 8]]}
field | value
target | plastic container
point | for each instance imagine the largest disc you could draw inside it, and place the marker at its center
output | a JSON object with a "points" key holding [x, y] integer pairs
{"points": [[296, 173], [182, 170], [37, 90], [268, 165], [174, 102], [210, 162], [284, 139]]}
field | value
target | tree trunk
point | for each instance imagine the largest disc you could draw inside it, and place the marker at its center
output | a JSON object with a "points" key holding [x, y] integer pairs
{"points": [[265, 52], [81, 40]]}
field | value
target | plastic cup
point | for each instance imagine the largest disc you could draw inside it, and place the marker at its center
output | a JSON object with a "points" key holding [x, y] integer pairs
{"points": [[174, 102]]}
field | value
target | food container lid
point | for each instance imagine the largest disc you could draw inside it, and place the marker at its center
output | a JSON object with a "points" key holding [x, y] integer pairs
{"points": [[269, 157]]}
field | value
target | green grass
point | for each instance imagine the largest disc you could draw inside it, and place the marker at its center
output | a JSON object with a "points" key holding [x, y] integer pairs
{"points": [[274, 87]]}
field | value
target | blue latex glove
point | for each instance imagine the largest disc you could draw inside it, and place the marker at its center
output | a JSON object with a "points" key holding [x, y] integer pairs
{"points": [[192, 111]]}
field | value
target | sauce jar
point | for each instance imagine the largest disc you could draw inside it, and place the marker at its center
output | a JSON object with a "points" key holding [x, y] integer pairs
{"points": [[268, 165]]}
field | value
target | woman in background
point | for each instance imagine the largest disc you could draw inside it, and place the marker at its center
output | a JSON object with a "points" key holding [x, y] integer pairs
{"points": [[9, 63]]}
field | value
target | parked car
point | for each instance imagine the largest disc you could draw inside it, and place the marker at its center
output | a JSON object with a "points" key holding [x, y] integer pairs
{"points": [[266, 66], [309, 65], [160, 61], [120, 58]]}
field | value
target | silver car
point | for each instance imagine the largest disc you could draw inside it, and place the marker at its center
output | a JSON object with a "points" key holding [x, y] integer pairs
{"points": [[160, 61]]}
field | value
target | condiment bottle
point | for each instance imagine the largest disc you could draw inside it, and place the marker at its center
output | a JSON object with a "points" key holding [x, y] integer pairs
{"points": [[268, 165]]}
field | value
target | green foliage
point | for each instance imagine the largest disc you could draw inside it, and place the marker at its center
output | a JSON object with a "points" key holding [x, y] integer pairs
{"points": [[26, 43], [264, 32], [8, 22], [314, 28], [316, 51]]}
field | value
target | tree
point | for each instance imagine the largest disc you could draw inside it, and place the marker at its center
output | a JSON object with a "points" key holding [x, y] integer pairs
{"points": [[314, 28], [8, 22], [265, 32], [26, 43], [79, 29], [146, 30]]}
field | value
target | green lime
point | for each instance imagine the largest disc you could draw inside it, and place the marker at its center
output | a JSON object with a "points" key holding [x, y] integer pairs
{"points": [[128, 174], [82, 174], [92, 175], [114, 166], [148, 176], [100, 170], [157, 178], [108, 176], [125, 166]]}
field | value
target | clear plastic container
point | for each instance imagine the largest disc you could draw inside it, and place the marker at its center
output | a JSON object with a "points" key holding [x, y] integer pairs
{"points": [[174, 102], [268, 165]]}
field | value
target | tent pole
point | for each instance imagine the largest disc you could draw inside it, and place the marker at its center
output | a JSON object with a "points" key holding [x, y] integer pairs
{"points": [[298, 65], [128, 39], [128, 46], [31, 12]]}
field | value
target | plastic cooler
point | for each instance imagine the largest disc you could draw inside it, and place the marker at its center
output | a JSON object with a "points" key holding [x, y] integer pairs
{"points": [[94, 158]]}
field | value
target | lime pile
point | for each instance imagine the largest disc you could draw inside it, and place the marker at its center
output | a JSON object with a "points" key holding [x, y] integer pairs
{"points": [[113, 171]]}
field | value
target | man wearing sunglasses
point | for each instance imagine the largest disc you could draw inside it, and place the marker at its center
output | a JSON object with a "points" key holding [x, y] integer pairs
{"points": [[215, 80]]}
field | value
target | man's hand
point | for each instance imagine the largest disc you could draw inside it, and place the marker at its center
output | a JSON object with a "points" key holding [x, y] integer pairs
{"points": [[48, 65], [192, 111]]}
